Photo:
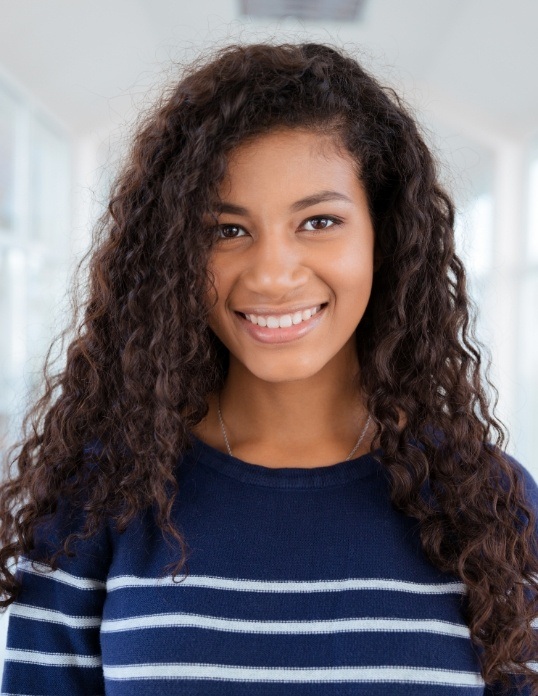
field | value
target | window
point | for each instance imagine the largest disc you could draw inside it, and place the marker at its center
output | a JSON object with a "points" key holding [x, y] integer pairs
{"points": [[473, 191], [34, 228], [527, 364], [532, 221]]}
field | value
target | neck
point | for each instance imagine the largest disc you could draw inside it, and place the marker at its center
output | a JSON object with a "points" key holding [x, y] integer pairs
{"points": [[317, 419]]}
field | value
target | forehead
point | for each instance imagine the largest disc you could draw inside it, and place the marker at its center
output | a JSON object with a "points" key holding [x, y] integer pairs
{"points": [[288, 161], [296, 141]]}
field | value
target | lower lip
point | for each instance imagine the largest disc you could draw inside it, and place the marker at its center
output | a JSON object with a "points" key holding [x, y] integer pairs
{"points": [[290, 333]]}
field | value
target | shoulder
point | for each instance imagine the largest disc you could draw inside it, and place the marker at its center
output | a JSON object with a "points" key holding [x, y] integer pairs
{"points": [[527, 479], [522, 473], [65, 532], [521, 494]]}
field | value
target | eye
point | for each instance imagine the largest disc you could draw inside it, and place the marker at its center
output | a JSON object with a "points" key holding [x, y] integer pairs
{"points": [[228, 231], [318, 224], [326, 222]]}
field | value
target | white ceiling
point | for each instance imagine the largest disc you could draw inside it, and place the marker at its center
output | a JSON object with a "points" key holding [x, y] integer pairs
{"points": [[92, 62]]}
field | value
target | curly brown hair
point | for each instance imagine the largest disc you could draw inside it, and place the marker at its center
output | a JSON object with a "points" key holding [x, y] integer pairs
{"points": [[143, 359]]}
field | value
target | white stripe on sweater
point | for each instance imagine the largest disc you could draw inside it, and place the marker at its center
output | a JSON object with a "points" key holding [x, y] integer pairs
{"points": [[52, 659], [415, 675], [121, 582], [27, 611], [58, 575], [285, 627]]}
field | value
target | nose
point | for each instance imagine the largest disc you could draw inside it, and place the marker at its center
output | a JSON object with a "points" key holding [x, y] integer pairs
{"points": [[276, 265]]}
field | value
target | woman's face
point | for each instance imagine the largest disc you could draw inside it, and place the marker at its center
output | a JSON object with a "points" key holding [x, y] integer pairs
{"points": [[294, 233]]}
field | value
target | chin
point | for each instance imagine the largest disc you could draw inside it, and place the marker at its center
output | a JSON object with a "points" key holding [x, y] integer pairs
{"points": [[290, 372]]}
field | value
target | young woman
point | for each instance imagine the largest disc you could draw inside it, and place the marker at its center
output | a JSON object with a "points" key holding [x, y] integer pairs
{"points": [[270, 465]]}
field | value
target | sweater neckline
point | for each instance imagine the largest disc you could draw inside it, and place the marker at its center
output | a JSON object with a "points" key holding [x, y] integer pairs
{"points": [[284, 477]]}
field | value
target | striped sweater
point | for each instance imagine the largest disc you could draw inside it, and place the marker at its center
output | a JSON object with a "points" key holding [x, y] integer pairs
{"points": [[301, 582]]}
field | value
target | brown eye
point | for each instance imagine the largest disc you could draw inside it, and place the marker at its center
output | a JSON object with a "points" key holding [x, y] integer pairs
{"points": [[228, 231], [321, 223]]}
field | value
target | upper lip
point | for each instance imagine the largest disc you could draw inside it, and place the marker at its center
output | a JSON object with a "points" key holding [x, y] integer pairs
{"points": [[278, 312]]}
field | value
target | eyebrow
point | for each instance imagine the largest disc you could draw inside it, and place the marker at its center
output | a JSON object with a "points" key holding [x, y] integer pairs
{"points": [[320, 197]]}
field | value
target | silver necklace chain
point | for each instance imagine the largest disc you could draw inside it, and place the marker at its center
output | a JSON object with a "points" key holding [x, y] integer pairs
{"points": [[361, 436]]}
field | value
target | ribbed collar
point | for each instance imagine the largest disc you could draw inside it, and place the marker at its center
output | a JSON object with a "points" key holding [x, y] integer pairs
{"points": [[255, 474]]}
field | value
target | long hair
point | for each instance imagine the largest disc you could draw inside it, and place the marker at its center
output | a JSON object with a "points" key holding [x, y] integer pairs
{"points": [[143, 358]]}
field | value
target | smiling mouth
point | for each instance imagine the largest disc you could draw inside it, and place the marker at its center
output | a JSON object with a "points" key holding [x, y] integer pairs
{"points": [[280, 335], [277, 316]]}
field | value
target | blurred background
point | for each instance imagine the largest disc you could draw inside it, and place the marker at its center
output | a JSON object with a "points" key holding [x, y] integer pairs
{"points": [[75, 74]]}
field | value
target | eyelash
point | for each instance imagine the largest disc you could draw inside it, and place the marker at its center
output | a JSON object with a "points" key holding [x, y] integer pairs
{"points": [[331, 218]]}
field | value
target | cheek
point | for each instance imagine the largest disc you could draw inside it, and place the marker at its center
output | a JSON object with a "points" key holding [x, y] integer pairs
{"points": [[218, 326], [352, 273]]}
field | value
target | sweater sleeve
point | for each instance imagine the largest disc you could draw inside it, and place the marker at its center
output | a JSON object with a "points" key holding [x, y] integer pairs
{"points": [[53, 643]]}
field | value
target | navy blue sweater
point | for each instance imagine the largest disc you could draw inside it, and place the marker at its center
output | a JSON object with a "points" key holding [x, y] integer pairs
{"points": [[301, 582]]}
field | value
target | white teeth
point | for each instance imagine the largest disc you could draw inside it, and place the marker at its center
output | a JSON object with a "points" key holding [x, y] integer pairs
{"points": [[285, 321]]}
